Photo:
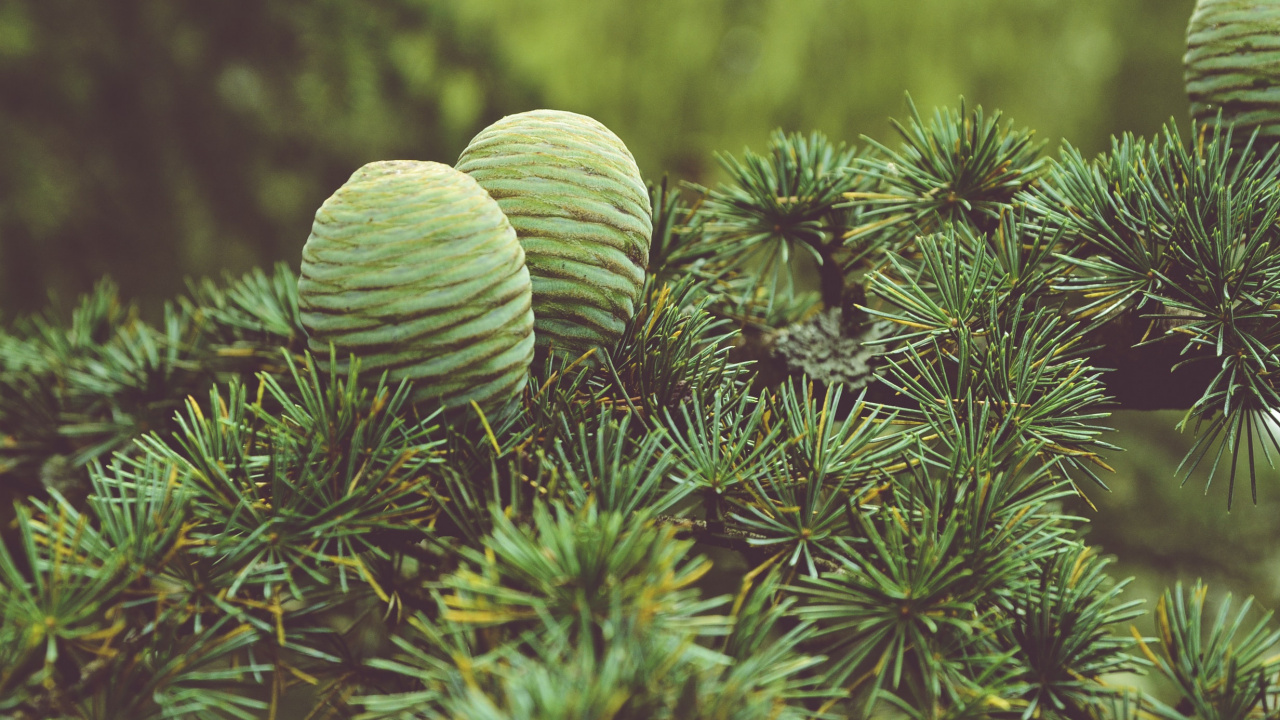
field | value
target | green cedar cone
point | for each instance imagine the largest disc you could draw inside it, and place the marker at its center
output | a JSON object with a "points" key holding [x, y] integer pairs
{"points": [[412, 267], [1233, 65], [575, 197]]}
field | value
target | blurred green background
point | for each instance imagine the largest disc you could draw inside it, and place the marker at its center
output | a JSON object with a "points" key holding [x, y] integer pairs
{"points": [[155, 140]]}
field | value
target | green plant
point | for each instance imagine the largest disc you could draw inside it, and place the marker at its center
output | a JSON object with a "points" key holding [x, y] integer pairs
{"points": [[683, 524]]}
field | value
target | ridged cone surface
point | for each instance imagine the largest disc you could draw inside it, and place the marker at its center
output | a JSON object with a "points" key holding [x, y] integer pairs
{"points": [[581, 210], [1233, 64], [414, 268]]}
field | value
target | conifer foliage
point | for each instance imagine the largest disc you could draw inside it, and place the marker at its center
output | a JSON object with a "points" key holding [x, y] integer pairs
{"points": [[209, 522]]}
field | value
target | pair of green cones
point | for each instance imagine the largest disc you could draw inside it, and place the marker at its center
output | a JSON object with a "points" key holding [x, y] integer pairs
{"points": [[539, 238], [452, 277]]}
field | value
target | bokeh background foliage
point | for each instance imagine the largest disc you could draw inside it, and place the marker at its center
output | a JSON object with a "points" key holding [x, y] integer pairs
{"points": [[155, 140]]}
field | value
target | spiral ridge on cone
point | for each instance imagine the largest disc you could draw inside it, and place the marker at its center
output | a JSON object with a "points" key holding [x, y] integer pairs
{"points": [[574, 195], [412, 267], [1233, 65]]}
